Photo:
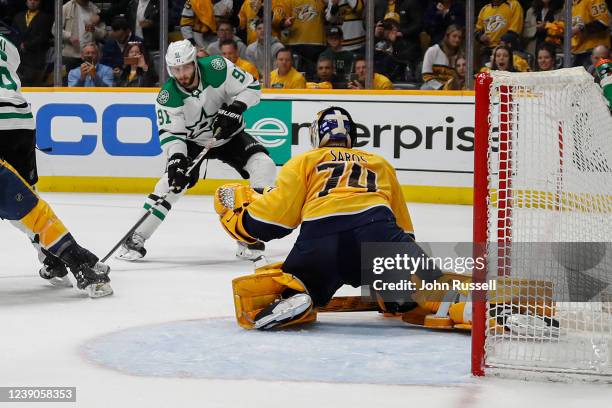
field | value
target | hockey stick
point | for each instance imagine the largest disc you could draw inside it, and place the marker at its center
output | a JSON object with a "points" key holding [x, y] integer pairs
{"points": [[194, 164]]}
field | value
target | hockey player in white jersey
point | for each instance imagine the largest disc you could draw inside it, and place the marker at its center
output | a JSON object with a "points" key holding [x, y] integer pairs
{"points": [[200, 106], [19, 202]]}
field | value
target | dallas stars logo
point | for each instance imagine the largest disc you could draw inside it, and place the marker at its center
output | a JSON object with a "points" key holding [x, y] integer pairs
{"points": [[203, 124]]}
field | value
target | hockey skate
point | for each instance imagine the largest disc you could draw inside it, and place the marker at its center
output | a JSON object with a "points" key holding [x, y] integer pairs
{"points": [[91, 276], [54, 271], [282, 311], [132, 248], [251, 252]]}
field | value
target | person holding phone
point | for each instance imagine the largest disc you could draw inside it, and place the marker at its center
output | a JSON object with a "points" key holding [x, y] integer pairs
{"points": [[90, 73], [137, 70]]}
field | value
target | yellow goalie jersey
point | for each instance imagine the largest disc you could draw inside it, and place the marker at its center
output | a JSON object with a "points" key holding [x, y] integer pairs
{"points": [[331, 181]]}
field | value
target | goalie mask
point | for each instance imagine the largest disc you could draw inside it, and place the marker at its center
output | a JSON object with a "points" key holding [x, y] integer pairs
{"points": [[180, 53], [332, 125]]}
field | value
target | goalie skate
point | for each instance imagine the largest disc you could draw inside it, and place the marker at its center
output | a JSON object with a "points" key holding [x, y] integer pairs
{"points": [[132, 248], [251, 252], [282, 311]]}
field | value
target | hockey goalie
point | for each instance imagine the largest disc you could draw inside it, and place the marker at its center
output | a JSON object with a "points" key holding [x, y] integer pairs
{"points": [[342, 197]]}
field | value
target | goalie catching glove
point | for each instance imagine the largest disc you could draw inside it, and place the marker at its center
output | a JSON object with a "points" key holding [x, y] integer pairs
{"points": [[230, 201], [228, 120]]}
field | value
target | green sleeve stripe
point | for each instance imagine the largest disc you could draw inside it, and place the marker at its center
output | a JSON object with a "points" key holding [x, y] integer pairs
{"points": [[155, 212], [256, 87], [13, 115], [170, 139]]}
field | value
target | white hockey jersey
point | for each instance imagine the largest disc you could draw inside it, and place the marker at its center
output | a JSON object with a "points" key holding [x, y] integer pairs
{"points": [[188, 115], [15, 112]]}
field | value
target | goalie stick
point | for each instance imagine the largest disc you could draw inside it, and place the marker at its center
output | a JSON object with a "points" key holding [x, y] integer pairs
{"points": [[194, 164]]}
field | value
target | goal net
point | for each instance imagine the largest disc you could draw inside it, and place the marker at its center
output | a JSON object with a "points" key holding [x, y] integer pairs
{"points": [[543, 210]]}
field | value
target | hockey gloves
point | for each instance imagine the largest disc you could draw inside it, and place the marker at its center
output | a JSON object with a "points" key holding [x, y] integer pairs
{"points": [[228, 120], [178, 178]]}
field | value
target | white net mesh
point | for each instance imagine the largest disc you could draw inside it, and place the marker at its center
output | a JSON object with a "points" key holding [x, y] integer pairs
{"points": [[550, 224]]}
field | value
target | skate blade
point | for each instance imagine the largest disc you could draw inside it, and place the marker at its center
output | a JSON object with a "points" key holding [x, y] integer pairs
{"points": [[249, 255], [97, 290], [60, 282], [128, 256]]}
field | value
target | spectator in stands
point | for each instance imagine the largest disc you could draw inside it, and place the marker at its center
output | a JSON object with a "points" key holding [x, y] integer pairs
{"points": [[198, 23], [138, 70], [440, 15], [457, 82], [225, 31], [591, 27], [599, 52], [114, 46], [33, 40], [410, 14], [117, 8], [251, 13], [326, 77], [143, 16], [255, 52], [546, 57], [81, 25], [502, 59], [494, 20], [229, 49], [285, 76], [394, 55], [439, 60], [349, 15], [342, 60], [91, 73], [511, 40], [304, 29], [358, 82], [540, 13]]}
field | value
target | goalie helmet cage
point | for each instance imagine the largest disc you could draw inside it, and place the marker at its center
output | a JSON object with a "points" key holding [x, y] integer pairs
{"points": [[542, 202]]}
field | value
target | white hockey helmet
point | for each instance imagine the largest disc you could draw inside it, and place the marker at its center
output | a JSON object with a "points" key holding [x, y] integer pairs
{"points": [[333, 124], [179, 53]]}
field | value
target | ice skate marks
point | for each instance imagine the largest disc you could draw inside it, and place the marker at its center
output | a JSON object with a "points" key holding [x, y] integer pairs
{"points": [[365, 349]]}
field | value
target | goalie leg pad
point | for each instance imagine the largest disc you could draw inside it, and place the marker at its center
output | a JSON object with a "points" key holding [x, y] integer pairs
{"points": [[253, 293]]}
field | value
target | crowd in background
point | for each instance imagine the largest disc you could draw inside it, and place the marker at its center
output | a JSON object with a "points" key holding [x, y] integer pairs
{"points": [[315, 44]]}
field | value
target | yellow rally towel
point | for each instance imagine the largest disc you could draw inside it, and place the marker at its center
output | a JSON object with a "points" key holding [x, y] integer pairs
{"points": [[203, 9]]}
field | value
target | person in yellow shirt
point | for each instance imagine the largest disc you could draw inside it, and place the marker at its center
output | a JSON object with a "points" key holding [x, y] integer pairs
{"points": [[285, 76], [379, 81], [249, 13], [590, 28], [229, 49], [341, 198], [304, 26], [496, 19]]}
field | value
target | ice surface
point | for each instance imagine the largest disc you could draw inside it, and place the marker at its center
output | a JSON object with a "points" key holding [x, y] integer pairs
{"points": [[180, 296]]}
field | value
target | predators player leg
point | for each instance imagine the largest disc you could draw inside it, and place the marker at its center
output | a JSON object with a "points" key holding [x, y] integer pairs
{"points": [[342, 197], [201, 105], [20, 204]]}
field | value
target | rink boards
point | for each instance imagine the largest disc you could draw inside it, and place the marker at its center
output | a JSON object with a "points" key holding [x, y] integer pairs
{"points": [[105, 140]]}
